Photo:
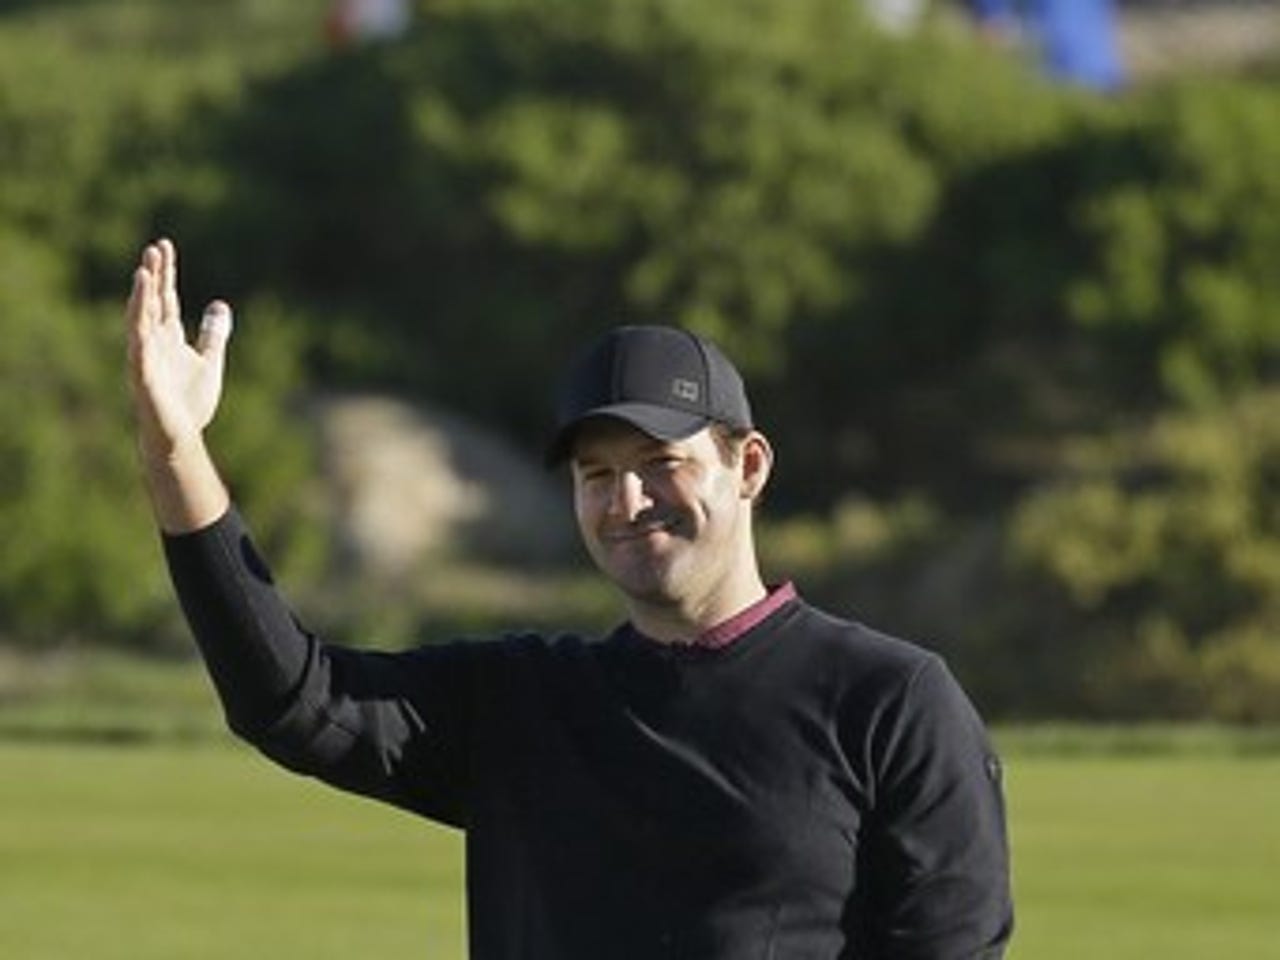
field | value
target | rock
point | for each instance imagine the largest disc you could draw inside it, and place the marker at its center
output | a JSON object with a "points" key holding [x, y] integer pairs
{"points": [[408, 484]]}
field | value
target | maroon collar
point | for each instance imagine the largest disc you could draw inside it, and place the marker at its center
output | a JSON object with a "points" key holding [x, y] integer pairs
{"points": [[727, 631]]}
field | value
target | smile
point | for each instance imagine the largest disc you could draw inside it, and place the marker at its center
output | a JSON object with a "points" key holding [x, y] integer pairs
{"points": [[639, 532]]}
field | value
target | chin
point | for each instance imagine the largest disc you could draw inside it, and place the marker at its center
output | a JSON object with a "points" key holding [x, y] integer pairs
{"points": [[670, 593], [658, 588], [647, 591]]}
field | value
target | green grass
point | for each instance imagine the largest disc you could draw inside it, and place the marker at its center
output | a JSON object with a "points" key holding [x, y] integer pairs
{"points": [[105, 696], [197, 850], [143, 853], [1171, 855]]}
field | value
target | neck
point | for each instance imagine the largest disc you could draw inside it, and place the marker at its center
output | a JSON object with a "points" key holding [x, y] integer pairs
{"points": [[685, 621]]}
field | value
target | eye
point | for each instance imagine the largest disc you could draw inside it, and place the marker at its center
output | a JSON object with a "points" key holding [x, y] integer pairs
{"points": [[665, 463], [593, 474]]}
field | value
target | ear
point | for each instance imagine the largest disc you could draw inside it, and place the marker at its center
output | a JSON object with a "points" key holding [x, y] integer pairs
{"points": [[757, 464]]}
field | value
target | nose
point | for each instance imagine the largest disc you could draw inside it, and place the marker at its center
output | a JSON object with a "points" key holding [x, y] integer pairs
{"points": [[628, 498]]}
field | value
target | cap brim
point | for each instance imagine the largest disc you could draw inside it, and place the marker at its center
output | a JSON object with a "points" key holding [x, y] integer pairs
{"points": [[661, 423]]}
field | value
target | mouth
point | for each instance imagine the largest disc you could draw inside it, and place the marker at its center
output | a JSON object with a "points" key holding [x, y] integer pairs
{"points": [[636, 532]]}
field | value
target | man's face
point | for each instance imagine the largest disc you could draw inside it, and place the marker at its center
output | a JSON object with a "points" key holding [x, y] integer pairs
{"points": [[666, 521]]}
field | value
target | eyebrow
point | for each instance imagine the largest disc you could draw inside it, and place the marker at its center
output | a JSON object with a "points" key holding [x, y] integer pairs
{"points": [[647, 447]]}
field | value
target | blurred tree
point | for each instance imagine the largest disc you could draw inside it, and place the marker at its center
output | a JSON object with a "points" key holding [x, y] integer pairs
{"points": [[1163, 552], [69, 500], [1182, 286], [78, 563], [939, 270]]}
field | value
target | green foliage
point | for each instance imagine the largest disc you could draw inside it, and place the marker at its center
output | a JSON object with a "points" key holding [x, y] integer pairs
{"points": [[82, 563], [521, 177], [69, 500], [102, 110], [1185, 272], [100, 135], [1164, 551], [267, 455], [938, 270], [940, 251]]}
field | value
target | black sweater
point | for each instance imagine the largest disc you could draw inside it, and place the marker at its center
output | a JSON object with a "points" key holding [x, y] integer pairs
{"points": [[814, 790]]}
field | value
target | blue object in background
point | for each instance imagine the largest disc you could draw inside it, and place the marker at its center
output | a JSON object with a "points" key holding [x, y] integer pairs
{"points": [[1076, 39]]}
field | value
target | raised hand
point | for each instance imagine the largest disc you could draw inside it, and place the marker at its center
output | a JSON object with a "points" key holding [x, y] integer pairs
{"points": [[176, 388], [176, 385]]}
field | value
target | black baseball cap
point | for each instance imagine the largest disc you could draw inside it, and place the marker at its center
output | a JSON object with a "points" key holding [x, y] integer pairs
{"points": [[668, 382]]}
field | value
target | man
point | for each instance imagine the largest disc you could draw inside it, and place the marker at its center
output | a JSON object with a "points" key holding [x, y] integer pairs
{"points": [[730, 774]]}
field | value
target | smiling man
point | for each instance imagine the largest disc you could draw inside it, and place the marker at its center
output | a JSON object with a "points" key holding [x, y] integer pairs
{"points": [[666, 468], [730, 774]]}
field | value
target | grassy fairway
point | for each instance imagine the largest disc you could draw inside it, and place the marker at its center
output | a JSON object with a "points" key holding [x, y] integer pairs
{"points": [[205, 851], [166, 853], [1175, 857]]}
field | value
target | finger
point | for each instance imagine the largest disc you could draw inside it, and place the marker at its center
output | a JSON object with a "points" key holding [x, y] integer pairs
{"points": [[151, 258], [140, 309], [140, 325], [150, 267], [215, 330], [171, 310], [137, 297]]}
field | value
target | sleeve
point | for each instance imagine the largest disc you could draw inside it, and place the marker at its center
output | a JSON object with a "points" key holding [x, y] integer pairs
{"points": [[938, 858], [395, 727]]}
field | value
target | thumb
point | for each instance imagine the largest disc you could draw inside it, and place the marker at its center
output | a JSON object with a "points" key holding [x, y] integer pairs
{"points": [[215, 329]]}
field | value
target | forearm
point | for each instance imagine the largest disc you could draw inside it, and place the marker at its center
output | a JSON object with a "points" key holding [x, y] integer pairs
{"points": [[186, 492], [342, 715], [255, 652]]}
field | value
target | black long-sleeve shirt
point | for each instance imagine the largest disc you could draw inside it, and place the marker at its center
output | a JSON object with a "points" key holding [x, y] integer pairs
{"points": [[813, 790]]}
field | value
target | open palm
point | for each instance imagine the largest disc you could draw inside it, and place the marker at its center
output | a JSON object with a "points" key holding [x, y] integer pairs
{"points": [[176, 385]]}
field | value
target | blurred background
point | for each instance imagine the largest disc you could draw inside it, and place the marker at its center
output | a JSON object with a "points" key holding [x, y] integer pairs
{"points": [[1004, 278]]}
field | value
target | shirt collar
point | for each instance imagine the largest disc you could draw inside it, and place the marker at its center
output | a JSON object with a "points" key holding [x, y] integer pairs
{"points": [[726, 632]]}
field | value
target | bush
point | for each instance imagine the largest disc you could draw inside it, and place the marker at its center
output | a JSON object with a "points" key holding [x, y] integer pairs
{"points": [[1162, 561], [100, 139], [1181, 282], [938, 271], [70, 504], [80, 564]]}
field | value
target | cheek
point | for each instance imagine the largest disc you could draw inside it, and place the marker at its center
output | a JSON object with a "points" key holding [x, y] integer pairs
{"points": [[722, 503], [684, 494], [583, 511], [592, 511], [719, 489]]}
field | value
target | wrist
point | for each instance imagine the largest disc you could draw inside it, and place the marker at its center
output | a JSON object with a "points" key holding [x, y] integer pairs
{"points": [[186, 492], [169, 456]]}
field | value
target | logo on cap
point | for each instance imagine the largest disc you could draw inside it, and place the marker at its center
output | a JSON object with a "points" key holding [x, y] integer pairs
{"points": [[686, 390], [664, 381]]}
